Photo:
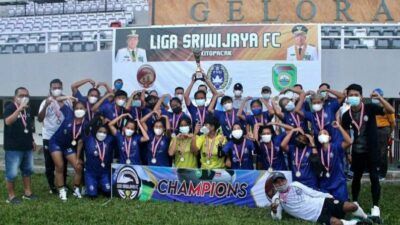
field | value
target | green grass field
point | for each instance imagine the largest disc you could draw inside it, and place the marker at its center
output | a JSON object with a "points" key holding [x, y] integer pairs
{"points": [[50, 210]]}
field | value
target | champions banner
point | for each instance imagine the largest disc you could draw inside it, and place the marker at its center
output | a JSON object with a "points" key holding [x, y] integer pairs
{"points": [[252, 188], [161, 58]]}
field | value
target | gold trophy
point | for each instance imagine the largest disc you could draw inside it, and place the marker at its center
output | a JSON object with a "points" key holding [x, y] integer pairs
{"points": [[197, 55]]}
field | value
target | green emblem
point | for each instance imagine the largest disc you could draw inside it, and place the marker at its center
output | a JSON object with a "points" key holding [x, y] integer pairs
{"points": [[284, 76]]}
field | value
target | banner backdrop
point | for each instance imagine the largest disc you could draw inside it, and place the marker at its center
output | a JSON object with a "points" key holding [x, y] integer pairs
{"points": [[252, 188], [161, 58]]}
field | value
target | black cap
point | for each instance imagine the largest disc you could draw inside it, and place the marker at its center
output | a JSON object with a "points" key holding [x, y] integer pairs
{"points": [[238, 86], [266, 89], [277, 175], [298, 29]]}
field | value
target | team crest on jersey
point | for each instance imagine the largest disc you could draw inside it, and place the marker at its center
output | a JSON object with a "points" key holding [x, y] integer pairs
{"points": [[366, 118], [128, 183], [219, 76], [284, 76]]}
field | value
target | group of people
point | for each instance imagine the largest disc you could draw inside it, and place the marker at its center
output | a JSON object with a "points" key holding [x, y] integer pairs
{"points": [[311, 133]]}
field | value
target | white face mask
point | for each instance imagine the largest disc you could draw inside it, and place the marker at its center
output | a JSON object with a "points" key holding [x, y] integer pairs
{"points": [[129, 132], [184, 129], [317, 107], [23, 100], [266, 96], [204, 130], [56, 92], [282, 188], [323, 94], [158, 131], [290, 106], [266, 138], [375, 101], [237, 134], [92, 99], [237, 93], [120, 102], [200, 102], [180, 96], [101, 136], [228, 106], [323, 138], [79, 113]]}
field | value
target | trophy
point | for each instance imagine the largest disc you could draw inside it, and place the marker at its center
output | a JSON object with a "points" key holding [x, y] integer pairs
{"points": [[197, 55]]}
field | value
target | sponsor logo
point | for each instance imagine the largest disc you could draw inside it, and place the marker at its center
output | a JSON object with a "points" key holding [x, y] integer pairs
{"points": [[146, 76], [128, 183], [219, 76], [284, 76]]}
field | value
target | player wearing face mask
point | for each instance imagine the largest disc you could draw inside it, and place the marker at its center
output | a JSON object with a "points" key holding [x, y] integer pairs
{"points": [[268, 147], [239, 150], [99, 156], [129, 139], [159, 140], [331, 152], [180, 148], [228, 117], [307, 204], [111, 110], [198, 109], [64, 143], [93, 94], [300, 154], [209, 144]]}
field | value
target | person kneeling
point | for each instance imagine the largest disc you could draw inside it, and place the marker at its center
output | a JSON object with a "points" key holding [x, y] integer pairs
{"points": [[305, 203]]}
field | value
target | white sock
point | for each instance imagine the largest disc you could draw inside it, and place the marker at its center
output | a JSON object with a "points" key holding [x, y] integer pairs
{"points": [[347, 222], [359, 212]]}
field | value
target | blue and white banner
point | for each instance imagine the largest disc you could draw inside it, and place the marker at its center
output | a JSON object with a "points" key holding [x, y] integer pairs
{"points": [[251, 188]]}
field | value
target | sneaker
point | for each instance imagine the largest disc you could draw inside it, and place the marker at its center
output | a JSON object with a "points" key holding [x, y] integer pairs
{"points": [[13, 201], [31, 197], [381, 179], [375, 211], [53, 190], [63, 194], [359, 212], [77, 192]]}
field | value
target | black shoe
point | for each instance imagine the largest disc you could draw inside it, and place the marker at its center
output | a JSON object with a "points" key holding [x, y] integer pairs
{"points": [[375, 219], [31, 197], [53, 190], [364, 222], [13, 201]]}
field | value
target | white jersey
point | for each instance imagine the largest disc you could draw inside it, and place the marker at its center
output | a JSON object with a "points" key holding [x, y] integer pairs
{"points": [[53, 118], [300, 202], [125, 55], [311, 53]]}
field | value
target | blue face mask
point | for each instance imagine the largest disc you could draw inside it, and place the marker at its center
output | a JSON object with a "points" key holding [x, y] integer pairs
{"points": [[118, 85], [353, 100], [257, 111], [136, 103]]}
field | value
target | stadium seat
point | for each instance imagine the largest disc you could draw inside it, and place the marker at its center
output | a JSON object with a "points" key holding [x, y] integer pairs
{"points": [[19, 49], [352, 42], [374, 32], [7, 49], [326, 43], [65, 47], [90, 46], [32, 48], [42, 48], [77, 47], [388, 32], [395, 44], [382, 43], [336, 43]]}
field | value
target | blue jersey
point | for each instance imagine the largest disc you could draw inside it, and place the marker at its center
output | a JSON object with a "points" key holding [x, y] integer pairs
{"points": [[174, 119], [264, 119], [336, 167], [160, 153], [90, 114], [111, 111], [198, 114], [137, 112], [93, 154], [264, 154], [134, 152], [307, 176], [241, 156], [324, 118], [63, 137], [293, 119], [227, 120]]}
